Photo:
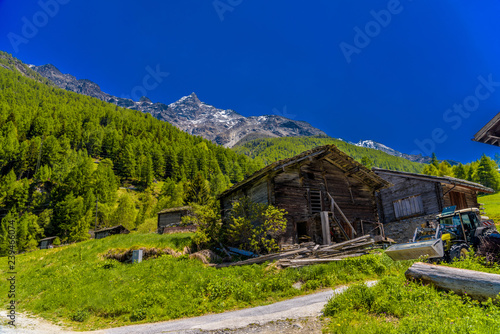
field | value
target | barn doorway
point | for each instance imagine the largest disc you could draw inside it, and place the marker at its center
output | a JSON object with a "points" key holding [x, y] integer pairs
{"points": [[302, 235], [458, 199]]}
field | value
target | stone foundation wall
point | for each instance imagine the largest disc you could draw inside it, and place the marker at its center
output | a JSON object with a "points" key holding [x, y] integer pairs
{"points": [[402, 231]]}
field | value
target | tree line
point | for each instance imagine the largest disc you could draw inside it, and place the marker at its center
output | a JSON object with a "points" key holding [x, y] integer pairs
{"points": [[60, 151], [272, 149], [483, 171]]}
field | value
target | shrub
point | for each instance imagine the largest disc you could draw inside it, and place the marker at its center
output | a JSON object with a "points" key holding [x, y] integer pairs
{"points": [[56, 242], [80, 315], [255, 227]]}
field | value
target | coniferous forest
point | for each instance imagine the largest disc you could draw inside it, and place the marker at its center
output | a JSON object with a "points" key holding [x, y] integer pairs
{"points": [[70, 163], [61, 153]]}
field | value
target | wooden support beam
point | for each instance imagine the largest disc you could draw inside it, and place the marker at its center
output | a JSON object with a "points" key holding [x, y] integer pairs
{"points": [[325, 227], [343, 216]]}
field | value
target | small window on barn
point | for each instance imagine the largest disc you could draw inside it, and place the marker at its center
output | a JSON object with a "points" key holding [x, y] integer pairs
{"points": [[315, 201], [409, 206], [309, 175]]}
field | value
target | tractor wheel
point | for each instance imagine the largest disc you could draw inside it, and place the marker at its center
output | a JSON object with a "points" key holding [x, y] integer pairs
{"points": [[458, 251]]}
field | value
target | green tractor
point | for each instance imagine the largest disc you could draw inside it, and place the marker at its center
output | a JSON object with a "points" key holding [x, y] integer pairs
{"points": [[452, 236]]}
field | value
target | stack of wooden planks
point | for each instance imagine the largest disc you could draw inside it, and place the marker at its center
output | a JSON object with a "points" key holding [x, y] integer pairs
{"points": [[311, 253]]}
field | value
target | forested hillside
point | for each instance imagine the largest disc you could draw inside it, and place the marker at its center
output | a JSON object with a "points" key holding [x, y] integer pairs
{"points": [[272, 149], [60, 150]]}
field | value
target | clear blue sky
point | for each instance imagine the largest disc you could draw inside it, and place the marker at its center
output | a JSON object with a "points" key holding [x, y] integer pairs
{"points": [[382, 70]]}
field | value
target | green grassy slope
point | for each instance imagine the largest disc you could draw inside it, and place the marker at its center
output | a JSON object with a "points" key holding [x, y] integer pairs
{"points": [[73, 284], [396, 305], [273, 149], [491, 206]]}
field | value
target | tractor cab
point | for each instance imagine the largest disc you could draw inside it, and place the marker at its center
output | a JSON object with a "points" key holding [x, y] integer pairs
{"points": [[464, 225]]}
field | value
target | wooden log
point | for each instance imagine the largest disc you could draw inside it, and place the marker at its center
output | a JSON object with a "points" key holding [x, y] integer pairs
{"points": [[345, 243], [264, 258], [476, 284], [295, 263]]}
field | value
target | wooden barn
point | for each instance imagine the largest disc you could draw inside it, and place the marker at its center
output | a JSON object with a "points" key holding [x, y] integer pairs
{"points": [[169, 220], [415, 195], [320, 189], [105, 232]]}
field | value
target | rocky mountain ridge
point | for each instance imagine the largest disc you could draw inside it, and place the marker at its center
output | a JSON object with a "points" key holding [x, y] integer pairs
{"points": [[224, 127]]}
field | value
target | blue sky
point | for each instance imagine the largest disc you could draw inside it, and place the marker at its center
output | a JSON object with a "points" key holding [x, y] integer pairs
{"points": [[415, 75]]}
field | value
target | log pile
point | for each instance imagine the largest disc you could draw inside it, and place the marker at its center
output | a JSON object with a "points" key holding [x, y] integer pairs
{"points": [[310, 253]]}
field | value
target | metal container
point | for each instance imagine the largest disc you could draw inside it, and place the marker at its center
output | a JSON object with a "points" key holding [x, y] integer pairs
{"points": [[137, 256]]}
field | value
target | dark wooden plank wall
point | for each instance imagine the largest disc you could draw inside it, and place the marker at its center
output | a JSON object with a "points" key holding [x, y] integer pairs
{"points": [[405, 187], [356, 200], [167, 218], [291, 196], [258, 193], [470, 195]]}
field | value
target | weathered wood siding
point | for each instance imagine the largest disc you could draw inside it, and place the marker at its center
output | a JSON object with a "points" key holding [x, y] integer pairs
{"points": [[469, 194], [258, 193], [430, 194], [169, 218], [291, 191], [292, 197]]}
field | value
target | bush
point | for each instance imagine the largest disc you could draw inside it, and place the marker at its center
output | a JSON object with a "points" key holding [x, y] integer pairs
{"points": [[80, 315], [57, 242], [255, 227]]}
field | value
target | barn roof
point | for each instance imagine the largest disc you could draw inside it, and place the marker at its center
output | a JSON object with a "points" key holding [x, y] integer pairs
{"points": [[177, 209], [329, 153], [111, 228], [440, 179], [48, 238], [490, 133]]}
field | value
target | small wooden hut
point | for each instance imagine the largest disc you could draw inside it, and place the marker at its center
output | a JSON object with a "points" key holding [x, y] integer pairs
{"points": [[322, 186], [105, 232], [47, 242], [169, 220]]}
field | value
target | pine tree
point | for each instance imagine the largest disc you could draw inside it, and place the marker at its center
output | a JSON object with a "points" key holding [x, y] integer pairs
{"points": [[105, 183], [430, 170], [487, 173], [460, 172], [434, 161], [197, 191], [125, 214], [445, 169]]}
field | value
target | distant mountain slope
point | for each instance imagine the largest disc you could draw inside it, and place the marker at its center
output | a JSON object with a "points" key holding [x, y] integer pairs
{"points": [[412, 157], [273, 149], [224, 127], [391, 151]]}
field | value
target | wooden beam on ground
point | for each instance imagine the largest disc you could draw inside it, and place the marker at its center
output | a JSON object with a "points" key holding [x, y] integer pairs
{"points": [[345, 243], [476, 284]]}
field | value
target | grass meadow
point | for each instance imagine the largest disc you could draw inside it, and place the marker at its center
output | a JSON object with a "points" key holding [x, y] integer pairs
{"points": [[74, 285]]}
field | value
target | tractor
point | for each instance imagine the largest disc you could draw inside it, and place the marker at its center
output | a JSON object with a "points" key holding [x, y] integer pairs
{"points": [[453, 234]]}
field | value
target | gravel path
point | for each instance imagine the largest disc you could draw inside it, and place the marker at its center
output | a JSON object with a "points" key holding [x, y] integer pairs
{"points": [[299, 314]]}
